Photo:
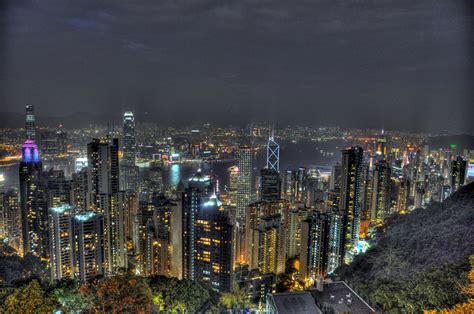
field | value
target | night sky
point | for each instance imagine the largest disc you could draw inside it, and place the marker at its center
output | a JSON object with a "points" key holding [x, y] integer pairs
{"points": [[397, 64]]}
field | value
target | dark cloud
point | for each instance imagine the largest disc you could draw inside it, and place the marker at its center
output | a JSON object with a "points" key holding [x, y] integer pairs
{"points": [[402, 64]]}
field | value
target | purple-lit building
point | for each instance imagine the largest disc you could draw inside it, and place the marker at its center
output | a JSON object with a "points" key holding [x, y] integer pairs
{"points": [[34, 211]]}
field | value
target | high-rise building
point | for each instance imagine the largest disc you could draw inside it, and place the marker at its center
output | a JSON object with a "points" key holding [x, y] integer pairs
{"points": [[34, 211], [381, 192], [244, 188], [273, 154], [270, 185], [213, 246], [88, 228], [13, 218], [336, 246], [268, 245], [61, 242], [350, 196], [458, 173], [199, 187], [233, 185], [102, 171], [296, 217], [129, 170], [315, 233], [300, 184], [335, 182], [30, 126], [103, 197], [290, 185], [58, 189]]}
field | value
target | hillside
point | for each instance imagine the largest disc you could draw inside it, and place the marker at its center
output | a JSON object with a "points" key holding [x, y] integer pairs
{"points": [[420, 260]]}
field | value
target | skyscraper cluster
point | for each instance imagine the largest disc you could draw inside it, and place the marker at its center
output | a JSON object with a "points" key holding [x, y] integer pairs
{"points": [[109, 216]]}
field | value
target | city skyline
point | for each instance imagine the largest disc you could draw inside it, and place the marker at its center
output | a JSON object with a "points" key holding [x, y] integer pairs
{"points": [[255, 156]]}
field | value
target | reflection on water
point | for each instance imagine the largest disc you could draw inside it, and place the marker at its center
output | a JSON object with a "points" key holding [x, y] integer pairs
{"points": [[174, 175], [304, 153]]}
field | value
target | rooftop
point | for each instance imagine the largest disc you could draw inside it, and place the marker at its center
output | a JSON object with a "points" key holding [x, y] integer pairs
{"points": [[294, 303], [339, 296]]}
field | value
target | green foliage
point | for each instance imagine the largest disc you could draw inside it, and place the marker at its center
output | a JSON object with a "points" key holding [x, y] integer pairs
{"points": [[69, 296], [235, 299], [420, 260], [29, 299], [175, 295]]}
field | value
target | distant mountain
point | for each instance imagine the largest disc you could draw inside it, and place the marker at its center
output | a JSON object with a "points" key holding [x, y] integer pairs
{"points": [[420, 260]]}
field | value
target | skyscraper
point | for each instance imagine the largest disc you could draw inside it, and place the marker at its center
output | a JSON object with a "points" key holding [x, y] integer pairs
{"points": [[350, 195], [381, 192], [199, 187], [233, 184], [88, 228], [273, 154], [244, 188], [213, 246], [314, 246], [102, 170], [34, 212], [129, 170], [103, 197], [30, 126], [270, 185], [61, 242]]}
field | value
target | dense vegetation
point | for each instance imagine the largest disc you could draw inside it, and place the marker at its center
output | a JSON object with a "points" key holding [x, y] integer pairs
{"points": [[420, 260]]}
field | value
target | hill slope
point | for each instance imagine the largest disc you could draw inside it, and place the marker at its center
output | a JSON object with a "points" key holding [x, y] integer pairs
{"points": [[420, 260]]}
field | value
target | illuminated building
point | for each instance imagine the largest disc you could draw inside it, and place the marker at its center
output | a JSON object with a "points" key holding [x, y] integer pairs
{"points": [[296, 217], [12, 217], [61, 242], [244, 197], [244, 188], [290, 186], [79, 188], [273, 155], [129, 170], [233, 184], [270, 185], [381, 192], [268, 245], [156, 176], [104, 198], [33, 203], [58, 189], [300, 184], [335, 182], [336, 246], [53, 142], [315, 232], [88, 228], [199, 187], [213, 246], [80, 163], [458, 173], [350, 195], [30, 126], [256, 285], [102, 170], [255, 212]]}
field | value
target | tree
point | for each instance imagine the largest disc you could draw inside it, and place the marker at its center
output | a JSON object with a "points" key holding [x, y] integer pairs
{"points": [[173, 295], [235, 299], [70, 297], [29, 299], [120, 293]]}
